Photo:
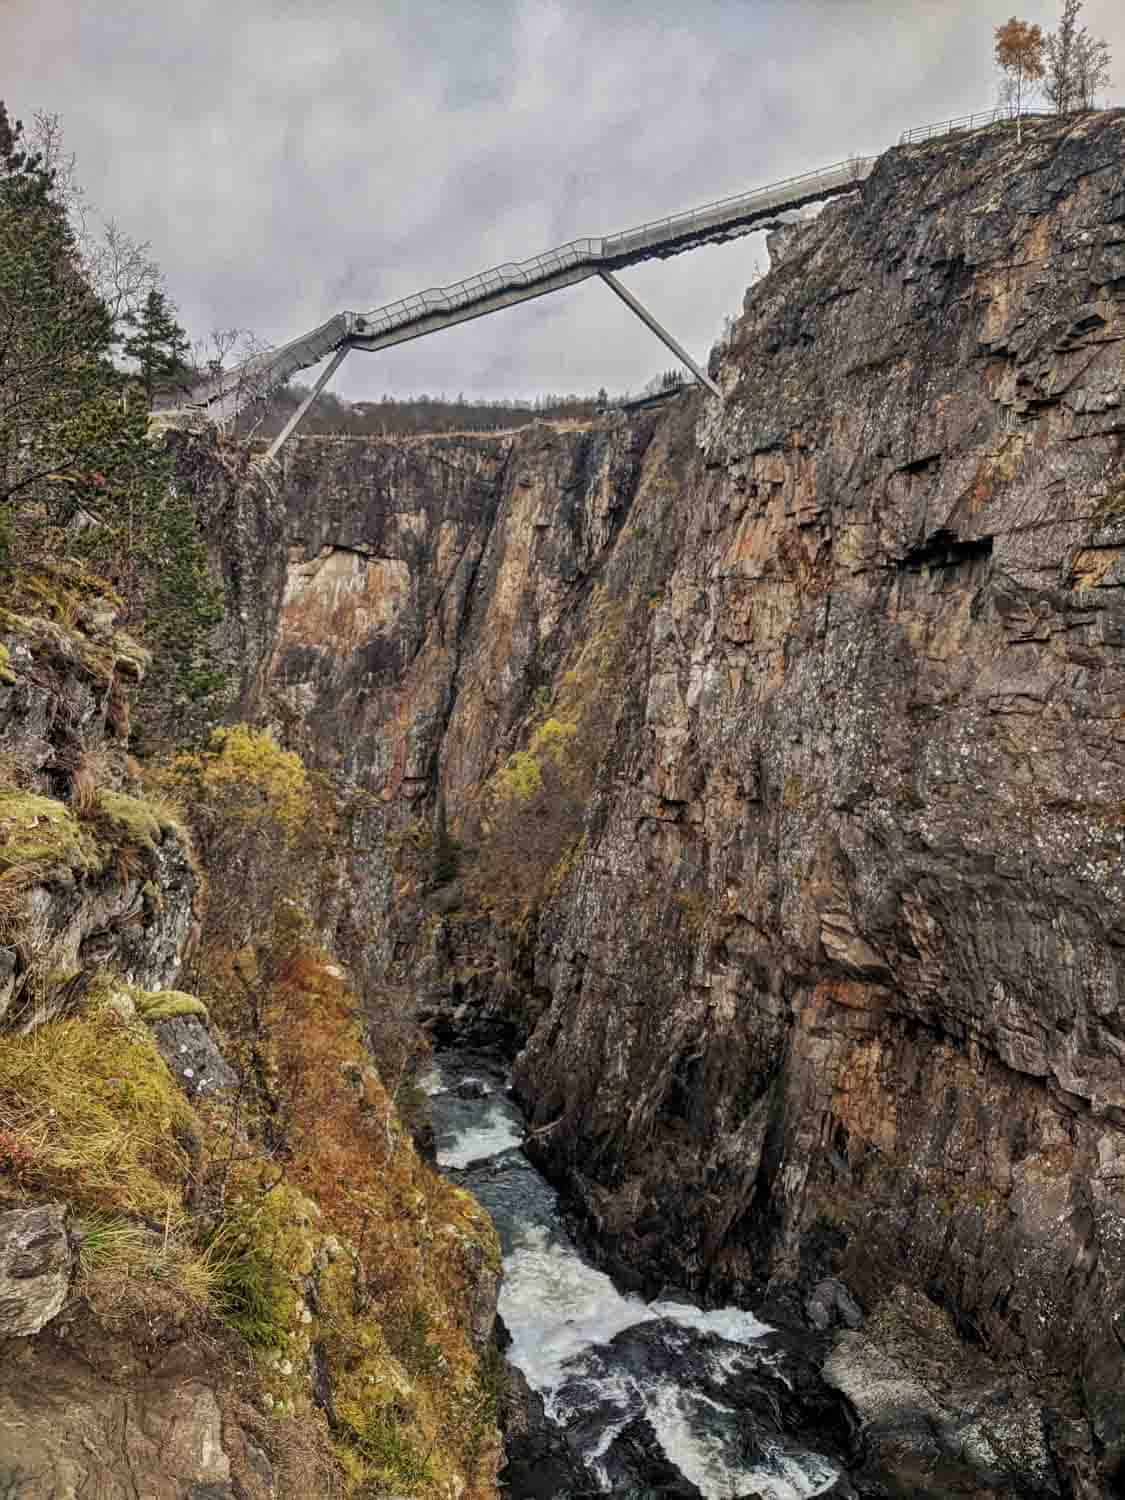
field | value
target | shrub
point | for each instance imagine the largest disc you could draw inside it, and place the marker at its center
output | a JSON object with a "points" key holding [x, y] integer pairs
{"points": [[399, 1464], [530, 824], [262, 827], [250, 1287]]}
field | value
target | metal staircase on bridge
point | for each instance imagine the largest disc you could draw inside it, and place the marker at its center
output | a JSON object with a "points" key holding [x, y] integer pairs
{"points": [[223, 396]]}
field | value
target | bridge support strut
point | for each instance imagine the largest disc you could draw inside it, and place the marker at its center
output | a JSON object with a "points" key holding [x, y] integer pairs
{"points": [[646, 317], [299, 415]]}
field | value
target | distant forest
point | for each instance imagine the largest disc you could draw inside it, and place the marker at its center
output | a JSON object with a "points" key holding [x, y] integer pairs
{"points": [[394, 416]]}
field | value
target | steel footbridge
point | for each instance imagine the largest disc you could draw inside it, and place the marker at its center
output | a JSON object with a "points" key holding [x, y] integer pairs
{"points": [[224, 395]]}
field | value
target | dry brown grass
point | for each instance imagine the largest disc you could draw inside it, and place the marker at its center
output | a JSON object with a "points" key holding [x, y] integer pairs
{"points": [[105, 1119], [90, 771]]}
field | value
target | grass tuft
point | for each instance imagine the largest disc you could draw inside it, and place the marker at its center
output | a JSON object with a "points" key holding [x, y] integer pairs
{"points": [[104, 1115], [250, 1290]]}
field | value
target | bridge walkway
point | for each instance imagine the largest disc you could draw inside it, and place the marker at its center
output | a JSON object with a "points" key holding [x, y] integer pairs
{"points": [[224, 395], [519, 281]]}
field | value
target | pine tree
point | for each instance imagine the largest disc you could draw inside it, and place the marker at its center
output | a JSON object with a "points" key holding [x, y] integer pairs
{"points": [[57, 383], [158, 343], [78, 473]]}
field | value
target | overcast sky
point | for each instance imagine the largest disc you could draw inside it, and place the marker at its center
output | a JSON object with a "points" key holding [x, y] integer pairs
{"points": [[289, 159]]}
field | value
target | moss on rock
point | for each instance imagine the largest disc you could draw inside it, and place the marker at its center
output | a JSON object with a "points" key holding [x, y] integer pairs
{"points": [[39, 837], [140, 821], [166, 1005]]}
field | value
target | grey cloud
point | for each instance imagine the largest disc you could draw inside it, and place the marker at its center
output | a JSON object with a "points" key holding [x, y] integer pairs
{"points": [[291, 159]]}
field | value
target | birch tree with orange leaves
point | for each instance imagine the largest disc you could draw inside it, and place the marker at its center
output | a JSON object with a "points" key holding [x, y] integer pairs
{"points": [[1019, 56]]}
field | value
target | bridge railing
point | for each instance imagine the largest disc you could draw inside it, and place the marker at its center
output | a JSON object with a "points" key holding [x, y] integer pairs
{"points": [[681, 226], [546, 271], [975, 121], [463, 293], [675, 227]]}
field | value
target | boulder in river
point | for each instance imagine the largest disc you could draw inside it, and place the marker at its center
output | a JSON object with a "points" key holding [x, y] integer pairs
{"points": [[636, 1458], [539, 1463]]}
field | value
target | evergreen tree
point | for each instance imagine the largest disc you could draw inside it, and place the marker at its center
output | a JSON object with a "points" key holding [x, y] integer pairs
{"points": [[57, 384], [158, 343], [78, 473]]}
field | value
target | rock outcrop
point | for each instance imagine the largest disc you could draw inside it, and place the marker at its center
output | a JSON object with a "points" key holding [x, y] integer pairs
{"points": [[826, 980], [225, 1273], [36, 1262], [107, 877]]}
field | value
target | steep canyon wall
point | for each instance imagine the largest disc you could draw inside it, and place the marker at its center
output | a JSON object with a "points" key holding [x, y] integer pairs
{"points": [[827, 976]]}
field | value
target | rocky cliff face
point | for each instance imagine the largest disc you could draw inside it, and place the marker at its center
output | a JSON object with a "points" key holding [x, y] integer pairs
{"points": [[828, 976], [224, 1270]]}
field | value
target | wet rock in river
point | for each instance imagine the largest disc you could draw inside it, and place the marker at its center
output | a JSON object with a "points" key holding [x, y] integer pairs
{"points": [[636, 1457], [540, 1464], [830, 1305]]}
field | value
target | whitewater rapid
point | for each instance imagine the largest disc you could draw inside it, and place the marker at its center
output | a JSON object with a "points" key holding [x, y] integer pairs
{"points": [[564, 1315]]}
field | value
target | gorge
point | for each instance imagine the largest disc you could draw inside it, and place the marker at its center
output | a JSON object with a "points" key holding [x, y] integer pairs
{"points": [[748, 777], [826, 976]]}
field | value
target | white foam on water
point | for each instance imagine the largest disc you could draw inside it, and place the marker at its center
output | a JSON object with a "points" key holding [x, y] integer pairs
{"points": [[556, 1306], [731, 1323], [626, 1396], [497, 1131], [784, 1476], [712, 1463], [431, 1082], [701, 1457]]}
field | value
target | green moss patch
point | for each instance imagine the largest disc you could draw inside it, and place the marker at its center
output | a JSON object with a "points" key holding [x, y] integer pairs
{"points": [[166, 1005], [39, 837], [140, 821]]}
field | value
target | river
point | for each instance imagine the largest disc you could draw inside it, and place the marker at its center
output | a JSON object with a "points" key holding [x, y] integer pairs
{"points": [[702, 1387]]}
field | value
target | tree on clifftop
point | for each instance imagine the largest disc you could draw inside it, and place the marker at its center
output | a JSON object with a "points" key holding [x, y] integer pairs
{"points": [[1060, 83], [79, 476], [1077, 64], [1019, 56], [158, 343]]}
